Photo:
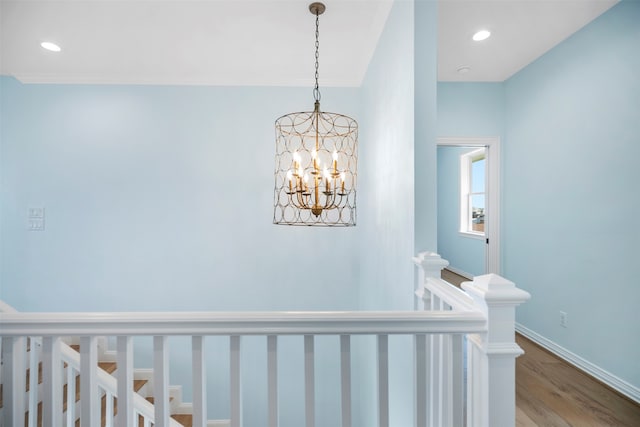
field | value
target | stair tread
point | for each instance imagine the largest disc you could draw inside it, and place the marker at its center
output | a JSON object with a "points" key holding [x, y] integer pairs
{"points": [[138, 384], [185, 419], [110, 367], [152, 399]]}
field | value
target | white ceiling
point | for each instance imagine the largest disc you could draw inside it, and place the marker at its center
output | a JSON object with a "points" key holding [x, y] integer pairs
{"points": [[521, 32], [264, 42]]}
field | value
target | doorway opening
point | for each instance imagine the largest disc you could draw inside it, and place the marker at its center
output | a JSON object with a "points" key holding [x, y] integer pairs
{"points": [[469, 204]]}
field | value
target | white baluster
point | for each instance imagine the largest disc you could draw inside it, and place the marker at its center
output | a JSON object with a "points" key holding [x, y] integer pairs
{"points": [[383, 380], [235, 385], [89, 393], [14, 349], [457, 380], [34, 360], [345, 374], [161, 381], [52, 369], [124, 374], [199, 382], [429, 379], [108, 409], [435, 372], [446, 415], [420, 343], [309, 381], [272, 380], [474, 385], [71, 396]]}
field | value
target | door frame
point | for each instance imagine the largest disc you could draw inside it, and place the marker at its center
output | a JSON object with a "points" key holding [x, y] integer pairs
{"points": [[492, 230]]}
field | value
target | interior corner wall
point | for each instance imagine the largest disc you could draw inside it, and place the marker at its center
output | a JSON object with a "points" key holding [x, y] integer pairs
{"points": [[385, 176], [426, 121], [571, 199], [386, 208]]}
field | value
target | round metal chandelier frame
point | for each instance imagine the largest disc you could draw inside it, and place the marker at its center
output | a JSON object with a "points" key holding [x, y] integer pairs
{"points": [[316, 162]]}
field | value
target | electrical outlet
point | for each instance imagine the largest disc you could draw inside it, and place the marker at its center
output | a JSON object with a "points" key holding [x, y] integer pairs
{"points": [[563, 319]]}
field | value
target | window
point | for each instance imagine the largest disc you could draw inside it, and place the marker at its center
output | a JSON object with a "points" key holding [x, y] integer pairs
{"points": [[472, 192]]}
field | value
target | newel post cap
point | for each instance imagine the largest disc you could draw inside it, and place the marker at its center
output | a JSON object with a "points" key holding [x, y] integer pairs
{"points": [[496, 290], [430, 261]]}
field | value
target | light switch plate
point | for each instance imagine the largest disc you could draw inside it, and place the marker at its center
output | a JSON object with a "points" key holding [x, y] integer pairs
{"points": [[35, 219]]}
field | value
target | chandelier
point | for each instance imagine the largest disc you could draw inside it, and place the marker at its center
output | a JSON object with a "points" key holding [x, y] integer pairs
{"points": [[315, 163]]}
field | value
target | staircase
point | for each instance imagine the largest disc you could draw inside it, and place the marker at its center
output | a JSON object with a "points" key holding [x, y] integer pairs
{"points": [[140, 386], [106, 368]]}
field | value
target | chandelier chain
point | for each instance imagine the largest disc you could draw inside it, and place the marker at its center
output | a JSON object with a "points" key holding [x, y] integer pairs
{"points": [[316, 89]]}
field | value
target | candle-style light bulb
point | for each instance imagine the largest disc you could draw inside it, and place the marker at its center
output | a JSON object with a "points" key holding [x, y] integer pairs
{"points": [[314, 156], [290, 178], [335, 163], [342, 176], [296, 163], [327, 177]]}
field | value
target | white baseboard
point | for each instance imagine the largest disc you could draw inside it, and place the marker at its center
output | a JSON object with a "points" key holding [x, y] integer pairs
{"points": [[616, 383]]}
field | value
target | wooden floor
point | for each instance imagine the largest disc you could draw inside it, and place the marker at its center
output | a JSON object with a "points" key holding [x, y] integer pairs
{"points": [[552, 393]]}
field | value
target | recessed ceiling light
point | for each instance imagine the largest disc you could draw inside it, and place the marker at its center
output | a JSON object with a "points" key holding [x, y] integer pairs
{"points": [[464, 69], [481, 35], [51, 46]]}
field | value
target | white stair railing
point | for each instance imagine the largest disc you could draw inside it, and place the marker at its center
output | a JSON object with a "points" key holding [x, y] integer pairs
{"points": [[484, 314], [490, 384], [61, 364], [236, 326]]}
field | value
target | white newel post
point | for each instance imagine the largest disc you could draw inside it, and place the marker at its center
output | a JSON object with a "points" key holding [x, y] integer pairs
{"points": [[430, 264], [491, 355]]}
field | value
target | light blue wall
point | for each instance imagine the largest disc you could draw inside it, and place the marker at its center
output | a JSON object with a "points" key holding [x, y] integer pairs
{"points": [[464, 253], [160, 199], [569, 129], [386, 206], [571, 198], [464, 110], [425, 101], [385, 178], [470, 109], [151, 191]]}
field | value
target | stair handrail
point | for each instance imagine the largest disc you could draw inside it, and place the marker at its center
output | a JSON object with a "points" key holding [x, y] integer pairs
{"points": [[242, 323]]}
